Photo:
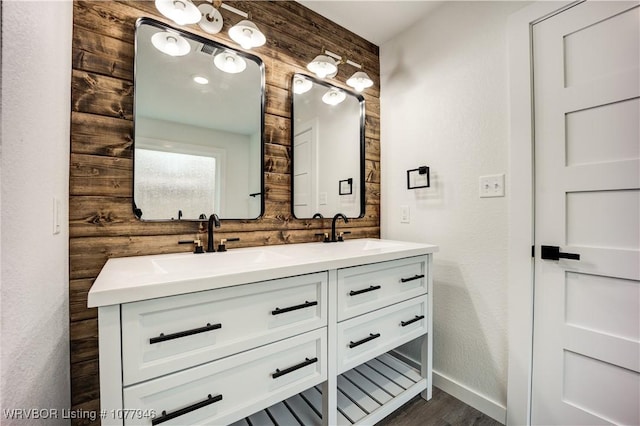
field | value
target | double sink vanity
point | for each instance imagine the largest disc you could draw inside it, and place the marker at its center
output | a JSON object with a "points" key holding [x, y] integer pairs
{"points": [[283, 334], [286, 334]]}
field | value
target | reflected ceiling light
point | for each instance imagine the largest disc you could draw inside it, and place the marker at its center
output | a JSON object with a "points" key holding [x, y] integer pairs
{"points": [[182, 12], [301, 85], [211, 20], [334, 97], [170, 43], [360, 81], [323, 66], [247, 34], [200, 79], [229, 62]]}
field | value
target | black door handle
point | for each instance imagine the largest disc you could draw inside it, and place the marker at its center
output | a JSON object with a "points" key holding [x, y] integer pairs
{"points": [[554, 253]]}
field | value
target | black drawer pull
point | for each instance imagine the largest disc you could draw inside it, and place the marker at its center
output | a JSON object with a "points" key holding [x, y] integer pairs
{"points": [[415, 277], [365, 290], [164, 337], [306, 362], [306, 304], [411, 321], [365, 340], [168, 416]]}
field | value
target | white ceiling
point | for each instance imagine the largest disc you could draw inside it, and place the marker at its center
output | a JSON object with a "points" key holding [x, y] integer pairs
{"points": [[375, 20]]}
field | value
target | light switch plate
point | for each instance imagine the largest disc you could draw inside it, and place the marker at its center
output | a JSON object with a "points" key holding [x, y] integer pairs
{"points": [[405, 214], [492, 186], [56, 215]]}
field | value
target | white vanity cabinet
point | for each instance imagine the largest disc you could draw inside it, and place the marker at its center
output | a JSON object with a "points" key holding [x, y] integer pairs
{"points": [[211, 344]]}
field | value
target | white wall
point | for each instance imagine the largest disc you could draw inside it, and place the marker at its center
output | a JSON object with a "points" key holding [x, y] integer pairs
{"points": [[36, 87], [444, 104]]}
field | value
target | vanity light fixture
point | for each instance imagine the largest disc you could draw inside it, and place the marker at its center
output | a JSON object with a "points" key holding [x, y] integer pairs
{"points": [[301, 85], [170, 43], [182, 12], [334, 97], [326, 65], [229, 62]]}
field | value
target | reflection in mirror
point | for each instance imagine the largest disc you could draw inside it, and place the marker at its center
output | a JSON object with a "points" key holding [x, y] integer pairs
{"points": [[328, 150], [198, 127]]}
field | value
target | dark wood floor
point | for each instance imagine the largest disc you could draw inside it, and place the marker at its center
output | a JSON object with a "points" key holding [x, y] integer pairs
{"points": [[441, 410]]}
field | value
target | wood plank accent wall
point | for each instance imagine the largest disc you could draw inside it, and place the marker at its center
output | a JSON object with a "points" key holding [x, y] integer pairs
{"points": [[102, 224]]}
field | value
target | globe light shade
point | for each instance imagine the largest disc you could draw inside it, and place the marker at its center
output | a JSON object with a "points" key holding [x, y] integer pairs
{"points": [[334, 97], [360, 81], [301, 85], [322, 66], [247, 34], [229, 62], [170, 43], [182, 12]]}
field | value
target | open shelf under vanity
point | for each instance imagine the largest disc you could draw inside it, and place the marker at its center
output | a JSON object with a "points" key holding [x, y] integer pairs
{"points": [[366, 394]]}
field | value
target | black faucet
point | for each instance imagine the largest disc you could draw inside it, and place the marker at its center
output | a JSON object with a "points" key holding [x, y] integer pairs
{"points": [[214, 220], [333, 225]]}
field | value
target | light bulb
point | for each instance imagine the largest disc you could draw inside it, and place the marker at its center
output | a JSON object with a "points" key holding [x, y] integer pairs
{"points": [[229, 62], [334, 97], [360, 81], [181, 12], [247, 34], [170, 43], [322, 66], [301, 85]]}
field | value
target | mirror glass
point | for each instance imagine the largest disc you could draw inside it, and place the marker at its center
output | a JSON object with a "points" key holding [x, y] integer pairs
{"points": [[328, 150], [198, 127]]}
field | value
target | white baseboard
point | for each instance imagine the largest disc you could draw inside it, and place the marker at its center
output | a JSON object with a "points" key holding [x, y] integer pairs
{"points": [[470, 397], [459, 391]]}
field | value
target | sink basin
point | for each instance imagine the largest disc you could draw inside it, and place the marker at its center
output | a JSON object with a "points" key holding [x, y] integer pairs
{"points": [[209, 262]]}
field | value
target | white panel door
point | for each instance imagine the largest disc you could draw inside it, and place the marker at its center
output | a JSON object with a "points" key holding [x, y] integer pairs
{"points": [[586, 351], [304, 170]]}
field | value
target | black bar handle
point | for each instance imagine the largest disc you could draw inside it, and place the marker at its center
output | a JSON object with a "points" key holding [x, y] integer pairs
{"points": [[415, 277], [304, 363], [411, 321], [164, 337], [365, 340], [554, 253], [233, 239], [172, 415], [306, 304], [364, 290]]}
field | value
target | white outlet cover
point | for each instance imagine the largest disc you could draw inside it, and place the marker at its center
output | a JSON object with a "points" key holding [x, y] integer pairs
{"points": [[492, 186], [405, 214]]}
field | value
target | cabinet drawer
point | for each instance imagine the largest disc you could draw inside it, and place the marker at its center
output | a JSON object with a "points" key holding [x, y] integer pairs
{"points": [[362, 289], [240, 384], [373, 334], [164, 335]]}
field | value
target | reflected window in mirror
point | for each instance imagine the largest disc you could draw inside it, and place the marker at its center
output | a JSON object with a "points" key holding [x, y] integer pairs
{"points": [[199, 120], [328, 150]]}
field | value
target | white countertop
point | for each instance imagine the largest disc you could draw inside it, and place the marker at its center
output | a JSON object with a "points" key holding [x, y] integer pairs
{"points": [[131, 279]]}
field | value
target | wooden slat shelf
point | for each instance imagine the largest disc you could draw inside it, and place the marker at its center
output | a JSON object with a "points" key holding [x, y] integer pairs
{"points": [[366, 395]]}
